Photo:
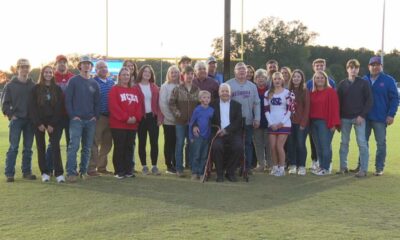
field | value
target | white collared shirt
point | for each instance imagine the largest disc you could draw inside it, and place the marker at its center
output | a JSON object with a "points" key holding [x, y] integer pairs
{"points": [[224, 113]]}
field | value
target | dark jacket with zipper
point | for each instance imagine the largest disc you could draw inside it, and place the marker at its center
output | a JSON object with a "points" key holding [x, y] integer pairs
{"points": [[16, 97]]}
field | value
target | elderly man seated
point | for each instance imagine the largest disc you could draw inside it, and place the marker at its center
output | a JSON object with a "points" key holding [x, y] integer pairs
{"points": [[227, 148]]}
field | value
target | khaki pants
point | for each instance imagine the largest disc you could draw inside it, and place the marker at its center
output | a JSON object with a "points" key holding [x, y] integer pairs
{"points": [[101, 146]]}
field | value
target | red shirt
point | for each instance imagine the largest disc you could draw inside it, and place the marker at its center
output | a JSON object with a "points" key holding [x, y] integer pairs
{"points": [[324, 105], [124, 103], [62, 81]]}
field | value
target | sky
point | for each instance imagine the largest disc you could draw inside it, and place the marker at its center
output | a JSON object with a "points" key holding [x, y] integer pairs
{"points": [[39, 30]]}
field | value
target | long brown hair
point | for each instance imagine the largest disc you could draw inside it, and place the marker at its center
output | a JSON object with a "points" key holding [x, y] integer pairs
{"points": [[44, 90], [133, 74], [119, 76], [271, 90], [302, 86], [140, 74]]}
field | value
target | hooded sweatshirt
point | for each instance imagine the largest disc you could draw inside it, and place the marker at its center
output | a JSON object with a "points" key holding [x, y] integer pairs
{"points": [[16, 97]]}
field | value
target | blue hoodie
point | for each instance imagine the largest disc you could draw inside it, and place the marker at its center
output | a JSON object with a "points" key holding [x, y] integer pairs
{"points": [[385, 95]]}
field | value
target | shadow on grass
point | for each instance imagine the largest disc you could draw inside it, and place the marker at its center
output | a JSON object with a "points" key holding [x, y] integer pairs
{"points": [[260, 193]]}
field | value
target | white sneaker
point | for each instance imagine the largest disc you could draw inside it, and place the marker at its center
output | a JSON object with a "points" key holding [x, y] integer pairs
{"points": [[315, 165], [280, 172], [274, 170], [330, 168], [302, 171], [45, 177], [322, 172], [292, 169], [60, 179]]}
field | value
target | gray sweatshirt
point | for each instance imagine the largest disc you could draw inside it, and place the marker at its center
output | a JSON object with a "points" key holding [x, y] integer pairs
{"points": [[247, 95], [16, 97], [165, 95]]}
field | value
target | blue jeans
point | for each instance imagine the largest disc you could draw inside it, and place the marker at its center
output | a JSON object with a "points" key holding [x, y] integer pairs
{"points": [[64, 125], [248, 145], [297, 151], [18, 126], [380, 138], [80, 130], [346, 125], [181, 135], [322, 137], [198, 154]]}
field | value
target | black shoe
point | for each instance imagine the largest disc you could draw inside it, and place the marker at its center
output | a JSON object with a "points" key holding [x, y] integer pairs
{"points": [[29, 176], [129, 175], [220, 179], [10, 179], [231, 178], [171, 170]]}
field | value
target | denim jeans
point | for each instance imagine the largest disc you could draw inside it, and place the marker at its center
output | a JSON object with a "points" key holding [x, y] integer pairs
{"points": [[18, 126], [322, 137], [380, 138], [181, 135], [248, 145], [297, 151], [346, 125], [198, 154], [80, 130], [63, 125]]}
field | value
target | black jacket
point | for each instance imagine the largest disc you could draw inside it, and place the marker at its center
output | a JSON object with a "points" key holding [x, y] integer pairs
{"points": [[235, 117], [16, 98], [45, 114]]}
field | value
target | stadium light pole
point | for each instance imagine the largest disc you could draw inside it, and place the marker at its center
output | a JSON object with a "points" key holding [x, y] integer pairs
{"points": [[227, 39], [383, 32]]}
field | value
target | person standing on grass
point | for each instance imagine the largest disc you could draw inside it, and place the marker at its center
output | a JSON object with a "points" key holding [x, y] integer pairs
{"points": [[227, 148], [62, 76], [203, 82], [102, 138], [318, 64], [45, 113], [245, 92], [355, 100], [212, 70], [199, 134], [383, 111], [183, 100], [297, 150], [125, 106], [15, 101], [325, 119], [171, 81], [260, 135], [152, 118], [82, 100], [133, 69], [278, 104]]}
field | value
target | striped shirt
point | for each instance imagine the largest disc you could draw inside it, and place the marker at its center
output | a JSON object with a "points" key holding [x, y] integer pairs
{"points": [[105, 87]]}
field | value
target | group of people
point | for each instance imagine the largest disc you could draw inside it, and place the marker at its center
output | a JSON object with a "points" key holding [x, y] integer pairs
{"points": [[261, 117]]}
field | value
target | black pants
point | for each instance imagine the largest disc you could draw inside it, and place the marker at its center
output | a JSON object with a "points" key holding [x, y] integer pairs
{"points": [[313, 150], [148, 124], [123, 139], [226, 152], [55, 152], [169, 145]]}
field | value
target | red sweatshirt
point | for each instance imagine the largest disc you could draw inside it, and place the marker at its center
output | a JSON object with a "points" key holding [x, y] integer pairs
{"points": [[325, 105], [124, 103], [62, 81]]}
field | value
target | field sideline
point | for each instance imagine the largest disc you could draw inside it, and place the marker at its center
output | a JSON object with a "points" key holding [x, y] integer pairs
{"points": [[165, 207]]}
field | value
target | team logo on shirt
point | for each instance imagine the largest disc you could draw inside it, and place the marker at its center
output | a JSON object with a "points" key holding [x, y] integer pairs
{"points": [[244, 94], [129, 97], [276, 101]]}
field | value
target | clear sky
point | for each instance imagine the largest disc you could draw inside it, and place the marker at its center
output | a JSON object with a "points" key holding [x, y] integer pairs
{"points": [[41, 29]]}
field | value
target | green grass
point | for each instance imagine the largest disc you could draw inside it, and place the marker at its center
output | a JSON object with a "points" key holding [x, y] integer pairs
{"points": [[165, 207]]}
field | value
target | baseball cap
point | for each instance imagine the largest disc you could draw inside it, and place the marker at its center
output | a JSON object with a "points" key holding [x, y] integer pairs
{"points": [[61, 57], [211, 59], [84, 58], [375, 59], [23, 62]]}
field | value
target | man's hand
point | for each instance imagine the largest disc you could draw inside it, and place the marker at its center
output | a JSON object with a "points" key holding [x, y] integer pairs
{"points": [[221, 132], [389, 120], [256, 124], [359, 120], [196, 131]]}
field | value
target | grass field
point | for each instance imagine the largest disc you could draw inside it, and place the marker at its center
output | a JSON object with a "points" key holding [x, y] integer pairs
{"points": [[165, 207]]}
